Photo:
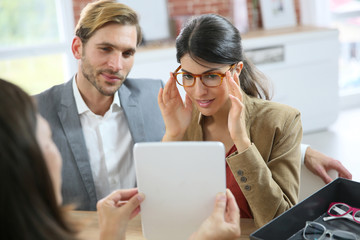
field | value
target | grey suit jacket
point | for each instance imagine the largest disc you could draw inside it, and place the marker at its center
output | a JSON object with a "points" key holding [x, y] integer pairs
{"points": [[57, 105]]}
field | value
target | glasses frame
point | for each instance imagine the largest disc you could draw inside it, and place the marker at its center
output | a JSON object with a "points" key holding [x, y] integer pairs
{"points": [[326, 232], [222, 75], [346, 214]]}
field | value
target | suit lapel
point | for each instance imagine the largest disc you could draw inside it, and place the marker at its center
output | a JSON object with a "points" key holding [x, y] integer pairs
{"points": [[133, 112], [70, 121]]}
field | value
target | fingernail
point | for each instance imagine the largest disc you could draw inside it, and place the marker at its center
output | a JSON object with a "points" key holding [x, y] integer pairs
{"points": [[221, 196], [140, 197]]}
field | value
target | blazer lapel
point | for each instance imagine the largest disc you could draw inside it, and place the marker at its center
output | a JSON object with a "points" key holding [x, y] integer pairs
{"points": [[133, 113], [70, 121]]}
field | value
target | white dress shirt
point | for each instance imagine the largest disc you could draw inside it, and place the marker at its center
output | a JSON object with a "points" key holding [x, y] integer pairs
{"points": [[109, 145], [303, 152]]}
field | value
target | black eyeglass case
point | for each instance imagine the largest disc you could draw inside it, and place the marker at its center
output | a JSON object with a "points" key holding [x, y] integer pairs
{"points": [[291, 223]]}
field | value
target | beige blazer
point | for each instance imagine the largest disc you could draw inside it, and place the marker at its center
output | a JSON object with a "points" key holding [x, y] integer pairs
{"points": [[268, 172]]}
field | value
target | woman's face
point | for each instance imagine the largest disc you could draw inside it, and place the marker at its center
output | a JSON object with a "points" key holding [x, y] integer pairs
{"points": [[51, 154], [207, 100]]}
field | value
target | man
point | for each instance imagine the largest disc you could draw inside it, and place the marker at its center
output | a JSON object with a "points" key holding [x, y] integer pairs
{"points": [[97, 116]]}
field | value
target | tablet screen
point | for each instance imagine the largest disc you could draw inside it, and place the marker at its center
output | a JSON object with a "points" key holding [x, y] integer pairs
{"points": [[180, 181]]}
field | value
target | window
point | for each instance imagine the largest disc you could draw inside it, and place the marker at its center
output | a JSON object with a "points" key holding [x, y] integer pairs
{"points": [[345, 16], [35, 43]]}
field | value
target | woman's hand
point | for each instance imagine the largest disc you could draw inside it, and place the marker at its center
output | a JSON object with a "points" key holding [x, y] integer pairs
{"points": [[116, 210], [224, 222], [176, 113], [236, 121]]}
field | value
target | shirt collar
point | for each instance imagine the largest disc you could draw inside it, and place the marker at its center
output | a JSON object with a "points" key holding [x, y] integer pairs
{"points": [[81, 105]]}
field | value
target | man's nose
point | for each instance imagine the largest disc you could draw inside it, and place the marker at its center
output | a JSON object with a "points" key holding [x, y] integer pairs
{"points": [[116, 62]]}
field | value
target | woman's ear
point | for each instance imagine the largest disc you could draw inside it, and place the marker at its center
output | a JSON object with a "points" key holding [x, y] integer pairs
{"points": [[76, 47], [238, 68]]}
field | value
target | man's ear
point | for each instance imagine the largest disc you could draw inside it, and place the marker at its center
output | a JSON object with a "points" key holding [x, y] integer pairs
{"points": [[76, 47]]}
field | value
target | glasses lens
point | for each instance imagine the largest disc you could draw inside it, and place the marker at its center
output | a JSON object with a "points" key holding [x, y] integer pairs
{"points": [[357, 216], [339, 209], [211, 80], [341, 235], [313, 231], [185, 79]]}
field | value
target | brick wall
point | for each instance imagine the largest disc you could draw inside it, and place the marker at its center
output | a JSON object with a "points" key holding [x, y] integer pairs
{"points": [[180, 10], [196, 7], [78, 5]]}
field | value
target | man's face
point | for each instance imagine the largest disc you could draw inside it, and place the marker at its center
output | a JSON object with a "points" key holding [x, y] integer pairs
{"points": [[107, 57]]}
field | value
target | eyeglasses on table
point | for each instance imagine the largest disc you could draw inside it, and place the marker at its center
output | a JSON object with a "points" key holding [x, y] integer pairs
{"points": [[317, 231], [342, 210]]}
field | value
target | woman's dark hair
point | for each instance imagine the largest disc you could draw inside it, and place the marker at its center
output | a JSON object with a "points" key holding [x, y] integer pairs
{"points": [[29, 209], [214, 39]]}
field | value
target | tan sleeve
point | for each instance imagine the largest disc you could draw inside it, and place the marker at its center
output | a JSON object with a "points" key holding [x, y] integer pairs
{"points": [[271, 186]]}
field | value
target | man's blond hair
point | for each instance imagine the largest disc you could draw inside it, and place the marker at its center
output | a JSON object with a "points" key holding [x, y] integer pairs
{"points": [[97, 14]]}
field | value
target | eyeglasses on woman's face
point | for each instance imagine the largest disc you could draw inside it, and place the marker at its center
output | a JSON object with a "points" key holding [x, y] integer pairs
{"points": [[317, 231], [209, 79]]}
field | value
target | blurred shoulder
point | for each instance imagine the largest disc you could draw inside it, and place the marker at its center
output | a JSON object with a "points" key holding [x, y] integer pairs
{"points": [[54, 91]]}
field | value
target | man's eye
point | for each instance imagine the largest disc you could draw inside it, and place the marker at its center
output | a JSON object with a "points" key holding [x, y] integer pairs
{"points": [[129, 53], [106, 49]]}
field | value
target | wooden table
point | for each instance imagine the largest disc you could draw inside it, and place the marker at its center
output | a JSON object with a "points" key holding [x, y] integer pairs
{"points": [[90, 231]]}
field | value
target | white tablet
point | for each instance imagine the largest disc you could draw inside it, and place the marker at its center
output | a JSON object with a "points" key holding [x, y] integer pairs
{"points": [[180, 181]]}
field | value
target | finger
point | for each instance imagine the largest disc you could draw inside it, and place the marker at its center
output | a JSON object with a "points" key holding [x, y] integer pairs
{"points": [[128, 193], [166, 90], [122, 194], [234, 87], [343, 172], [160, 98], [232, 207], [229, 80], [324, 176], [175, 93], [235, 102], [109, 200], [345, 175], [169, 88], [220, 205], [236, 78], [132, 207]]}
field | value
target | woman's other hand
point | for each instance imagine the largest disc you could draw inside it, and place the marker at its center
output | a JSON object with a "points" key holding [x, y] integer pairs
{"points": [[236, 121]]}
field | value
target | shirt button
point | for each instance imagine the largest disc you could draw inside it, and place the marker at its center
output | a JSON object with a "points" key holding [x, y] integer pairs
{"points": [[240, 172], [243, 179], [247, 188]]}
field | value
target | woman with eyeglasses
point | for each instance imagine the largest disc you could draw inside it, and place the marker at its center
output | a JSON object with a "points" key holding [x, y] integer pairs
{"points": [[227, 100]]}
